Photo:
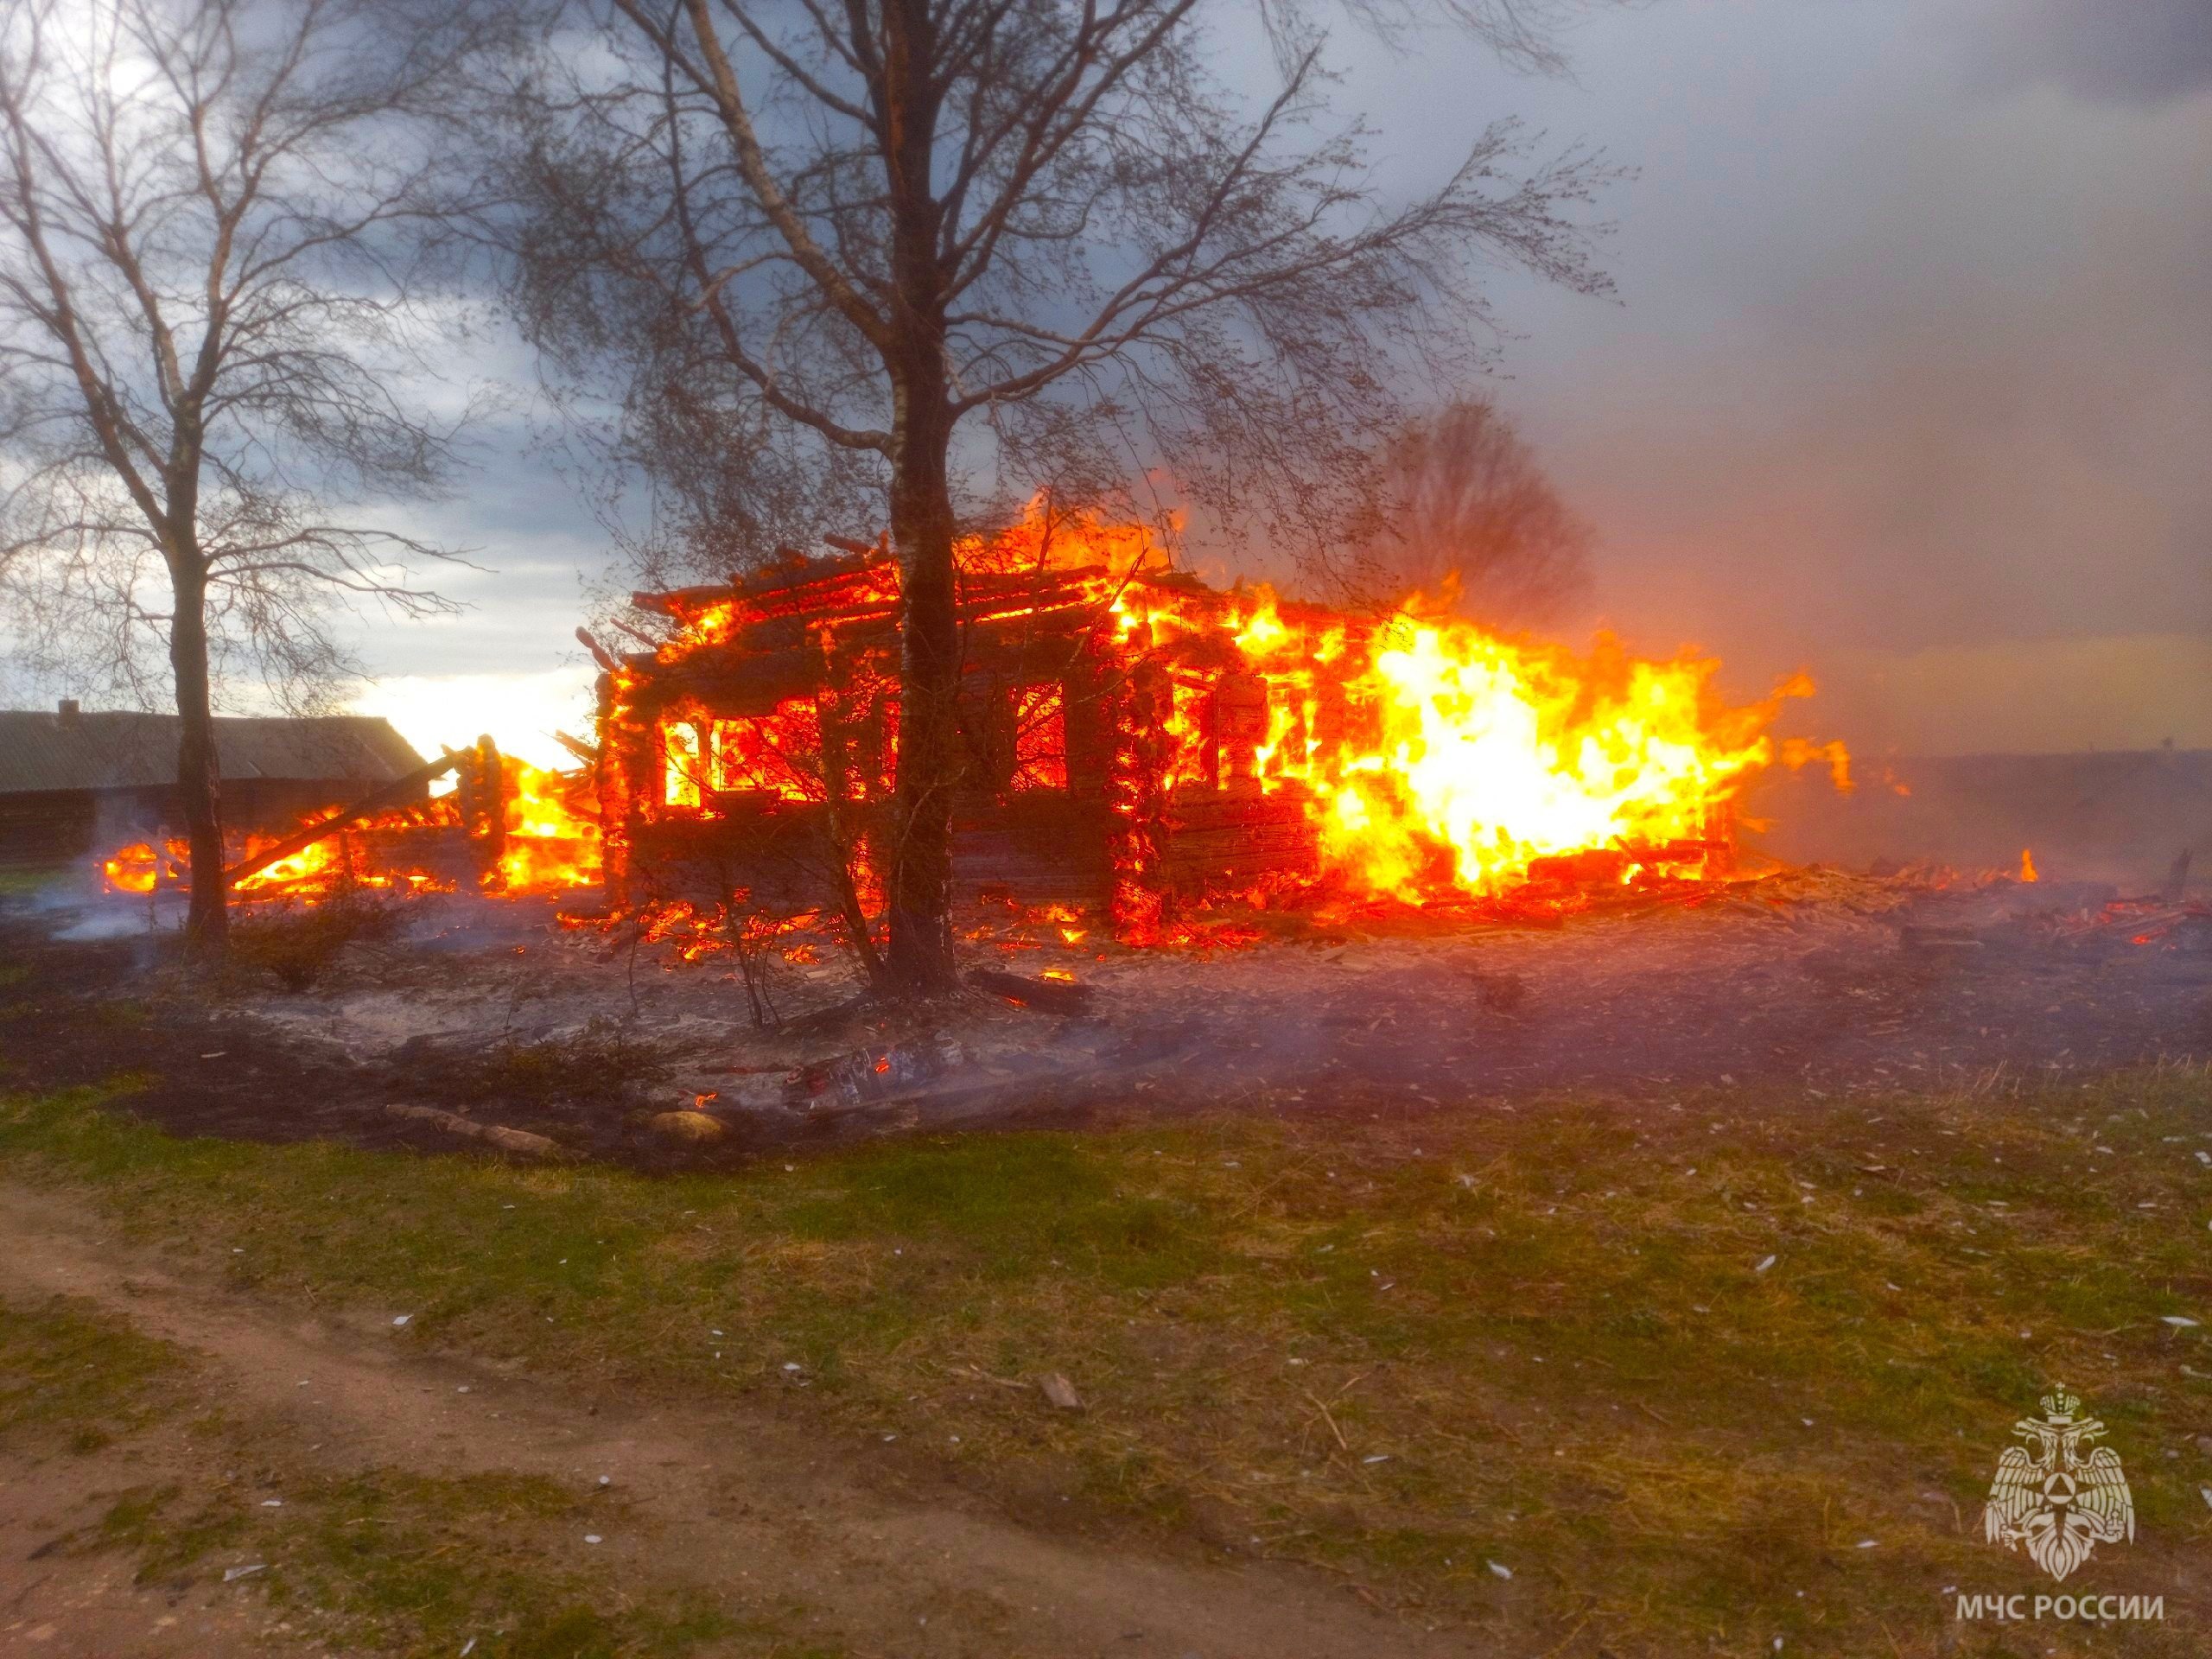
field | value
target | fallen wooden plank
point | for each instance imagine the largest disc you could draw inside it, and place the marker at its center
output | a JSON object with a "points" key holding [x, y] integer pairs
{"points": [[1045, 995], [521, 1141], [1915, 936]]}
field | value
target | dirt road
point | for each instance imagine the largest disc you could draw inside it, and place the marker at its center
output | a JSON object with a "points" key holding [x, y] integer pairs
{"points": [[743, 1505]]}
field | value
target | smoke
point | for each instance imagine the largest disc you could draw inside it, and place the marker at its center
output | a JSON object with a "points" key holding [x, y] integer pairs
{"points": [[1913, 360]]}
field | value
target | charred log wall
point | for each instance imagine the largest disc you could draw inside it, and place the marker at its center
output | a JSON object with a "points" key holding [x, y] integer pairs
{"points": [[1099, 767]]}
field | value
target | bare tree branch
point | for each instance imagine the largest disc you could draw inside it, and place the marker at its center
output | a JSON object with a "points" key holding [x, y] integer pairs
{"points": [[1472, 521]]}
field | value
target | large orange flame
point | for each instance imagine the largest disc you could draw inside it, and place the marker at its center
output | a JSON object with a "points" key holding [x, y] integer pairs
{"points": [[1438, 756], [1503, 754], [552, 839]]}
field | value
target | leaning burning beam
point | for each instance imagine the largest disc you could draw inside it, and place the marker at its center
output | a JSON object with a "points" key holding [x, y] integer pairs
{"points": [[395, 793]]}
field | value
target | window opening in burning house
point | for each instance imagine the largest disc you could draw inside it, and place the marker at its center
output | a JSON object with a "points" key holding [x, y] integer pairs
{"points": [[1190, 725], [680, 743], [1293, 740], [1040, 737], [769, 755]]}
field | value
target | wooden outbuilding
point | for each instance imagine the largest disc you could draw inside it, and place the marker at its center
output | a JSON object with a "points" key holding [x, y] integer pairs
{"points": [[73, 780]]}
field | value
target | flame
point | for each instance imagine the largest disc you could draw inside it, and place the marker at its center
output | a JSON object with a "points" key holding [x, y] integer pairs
{"points": [[551, 842], [318, 864], [135, 868], [1041, 738], [1501, 754], [1438, 757], [1430, 759], [684, 767], [1796, 751], [2028, 866], [1051, 536]]}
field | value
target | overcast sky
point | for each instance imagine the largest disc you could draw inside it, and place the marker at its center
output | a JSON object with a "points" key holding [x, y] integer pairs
{"points": [[1909, 378]]}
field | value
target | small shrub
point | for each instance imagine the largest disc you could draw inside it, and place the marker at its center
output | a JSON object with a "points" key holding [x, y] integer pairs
{"points": [[599, 1064], [299, 946]]}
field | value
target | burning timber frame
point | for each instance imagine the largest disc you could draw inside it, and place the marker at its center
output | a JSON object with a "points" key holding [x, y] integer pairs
{"points": [[1109, 760], [397, 835]]}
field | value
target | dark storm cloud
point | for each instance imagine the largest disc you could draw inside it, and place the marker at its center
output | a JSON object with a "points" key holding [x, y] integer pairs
{"points": [[2110, 51]]}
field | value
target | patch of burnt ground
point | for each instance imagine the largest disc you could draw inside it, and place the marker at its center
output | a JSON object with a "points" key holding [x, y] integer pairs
{"points": [[87, 1011], [494, 1013]]}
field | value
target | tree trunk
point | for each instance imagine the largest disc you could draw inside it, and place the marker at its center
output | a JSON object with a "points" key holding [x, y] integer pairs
{"points": [[199, 773], [920, 955], [921, 949]]}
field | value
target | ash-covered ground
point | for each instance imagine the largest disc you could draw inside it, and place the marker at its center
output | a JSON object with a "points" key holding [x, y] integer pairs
{"points": [[496, 1013]]}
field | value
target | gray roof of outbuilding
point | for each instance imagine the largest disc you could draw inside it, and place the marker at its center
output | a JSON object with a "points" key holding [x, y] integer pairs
{"points": [[46, 750]]}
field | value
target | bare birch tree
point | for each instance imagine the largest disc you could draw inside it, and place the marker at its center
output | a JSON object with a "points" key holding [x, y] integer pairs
{"points": [[1472, 517], [209, 271], [974, 245]]}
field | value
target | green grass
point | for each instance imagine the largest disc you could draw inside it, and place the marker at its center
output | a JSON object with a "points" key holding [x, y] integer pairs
{"points": [[67, 1371], [19, 882], [407, 1564], [1537, 1337]]}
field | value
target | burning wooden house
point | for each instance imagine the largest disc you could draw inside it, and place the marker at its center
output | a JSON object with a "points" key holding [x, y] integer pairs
{"points": [[761, 740], [1135, 740]]}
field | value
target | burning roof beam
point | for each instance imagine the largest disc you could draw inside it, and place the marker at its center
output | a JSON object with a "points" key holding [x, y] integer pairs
{"points": [[394, 793]]}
